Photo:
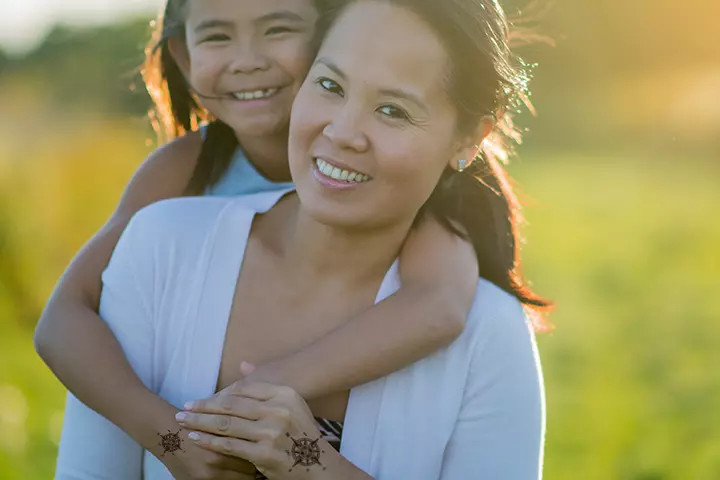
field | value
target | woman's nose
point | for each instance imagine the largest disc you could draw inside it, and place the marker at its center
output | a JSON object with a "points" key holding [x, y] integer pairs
{"points": [[345, 132]]}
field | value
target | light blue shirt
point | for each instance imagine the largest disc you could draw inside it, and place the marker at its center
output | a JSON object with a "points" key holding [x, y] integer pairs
{"points": [[242, 178]]}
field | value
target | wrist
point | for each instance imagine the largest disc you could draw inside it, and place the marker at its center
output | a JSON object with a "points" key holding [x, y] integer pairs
{"points": [[338, 467], [151, 416]]}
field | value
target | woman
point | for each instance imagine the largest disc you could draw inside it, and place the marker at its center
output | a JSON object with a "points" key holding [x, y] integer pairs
{"points": [[400, 95]]}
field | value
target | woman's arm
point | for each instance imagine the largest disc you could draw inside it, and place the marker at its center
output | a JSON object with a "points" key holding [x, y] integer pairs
{"points": [[500, 429], [439, 274], [71, 336]]}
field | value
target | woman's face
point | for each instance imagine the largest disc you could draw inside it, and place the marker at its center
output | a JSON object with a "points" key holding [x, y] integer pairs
{"points": [[247, 59], [372, 127]]}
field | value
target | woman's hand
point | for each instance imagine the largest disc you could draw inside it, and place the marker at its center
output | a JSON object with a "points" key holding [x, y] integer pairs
{"points": [[268, 425]]}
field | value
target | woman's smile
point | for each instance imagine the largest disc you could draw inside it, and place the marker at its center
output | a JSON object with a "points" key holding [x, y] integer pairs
{"points": [[334, 176]]}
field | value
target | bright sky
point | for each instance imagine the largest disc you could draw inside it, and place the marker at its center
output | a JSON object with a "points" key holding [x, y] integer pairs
{"points": [[24, 23]]}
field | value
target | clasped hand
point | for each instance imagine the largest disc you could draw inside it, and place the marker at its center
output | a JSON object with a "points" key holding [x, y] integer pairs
{"points": [[269, 425]]}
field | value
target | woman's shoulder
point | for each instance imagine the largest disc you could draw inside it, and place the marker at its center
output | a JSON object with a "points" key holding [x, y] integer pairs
{"points": [[182, 216], [498, 323], [187, 218], [492, 302]]}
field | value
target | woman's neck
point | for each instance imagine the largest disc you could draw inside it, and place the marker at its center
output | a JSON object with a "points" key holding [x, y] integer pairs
{"points": [[315, 252], [269, 155]]}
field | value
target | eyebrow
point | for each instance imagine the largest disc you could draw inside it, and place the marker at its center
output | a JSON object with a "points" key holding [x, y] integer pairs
{"points": [[280, 15], [388, 92], [208, 24]]}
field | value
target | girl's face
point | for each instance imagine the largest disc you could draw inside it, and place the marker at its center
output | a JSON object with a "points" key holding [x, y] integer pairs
{"points": [[246, 59], [372, 127]]}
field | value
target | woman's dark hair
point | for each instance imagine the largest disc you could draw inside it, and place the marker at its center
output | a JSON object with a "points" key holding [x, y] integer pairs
{"points": [[486, 79]]}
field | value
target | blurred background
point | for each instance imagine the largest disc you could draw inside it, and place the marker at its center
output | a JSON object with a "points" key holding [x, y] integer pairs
{"points": [[620, 170]]}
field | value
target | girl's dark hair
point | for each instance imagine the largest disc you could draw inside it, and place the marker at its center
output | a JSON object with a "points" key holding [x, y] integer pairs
{"points": [[486, 78], [176, 109]]}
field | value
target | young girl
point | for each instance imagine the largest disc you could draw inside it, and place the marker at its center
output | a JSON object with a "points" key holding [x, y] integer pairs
{"points": [[239, 65]]}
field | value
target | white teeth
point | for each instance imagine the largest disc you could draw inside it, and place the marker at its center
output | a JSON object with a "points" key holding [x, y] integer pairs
{"points": [[340, 174], [254, 95]]}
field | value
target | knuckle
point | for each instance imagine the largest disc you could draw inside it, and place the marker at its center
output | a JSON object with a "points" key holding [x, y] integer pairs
{"points": [[222, 422], [226, 445], [287, 391], [226, 403], [237, 387], [269, 434], [283, 413]]}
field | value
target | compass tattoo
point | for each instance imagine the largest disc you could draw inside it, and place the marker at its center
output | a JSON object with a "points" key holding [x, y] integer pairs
{"points": [[171, 442], [305, 452]]}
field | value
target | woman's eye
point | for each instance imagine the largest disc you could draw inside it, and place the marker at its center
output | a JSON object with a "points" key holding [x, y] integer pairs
{"points": [[394, 112], [329, 85]]}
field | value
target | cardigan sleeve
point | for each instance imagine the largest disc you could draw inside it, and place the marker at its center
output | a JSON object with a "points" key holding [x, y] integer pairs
{"points": [[91, 447], [499, 433]]}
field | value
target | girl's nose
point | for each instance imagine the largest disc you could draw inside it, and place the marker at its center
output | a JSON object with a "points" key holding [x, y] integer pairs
{"points": [[248, 59]]}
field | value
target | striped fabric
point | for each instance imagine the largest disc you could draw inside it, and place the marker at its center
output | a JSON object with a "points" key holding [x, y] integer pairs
{"points": [[330, 430]]}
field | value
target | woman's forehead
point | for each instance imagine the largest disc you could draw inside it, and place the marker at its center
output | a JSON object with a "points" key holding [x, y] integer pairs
{"points": [[386, 44]]}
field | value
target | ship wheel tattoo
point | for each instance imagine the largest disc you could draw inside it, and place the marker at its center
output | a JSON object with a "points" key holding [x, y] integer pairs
{"points": [[171, 442], [305, 452]]}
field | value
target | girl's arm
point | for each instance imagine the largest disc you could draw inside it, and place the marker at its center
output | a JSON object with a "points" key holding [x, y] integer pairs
{"points": [[439, 274], [74, 341], [90, 444]]}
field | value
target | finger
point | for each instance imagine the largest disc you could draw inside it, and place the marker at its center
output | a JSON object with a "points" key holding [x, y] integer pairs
{"points": [[234, 447], [226, 425], [227, 404], [260, 390]]}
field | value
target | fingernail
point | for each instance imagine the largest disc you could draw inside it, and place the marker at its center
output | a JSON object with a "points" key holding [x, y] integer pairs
{"points": [[194, 436], [181, 416], [189, 405]]}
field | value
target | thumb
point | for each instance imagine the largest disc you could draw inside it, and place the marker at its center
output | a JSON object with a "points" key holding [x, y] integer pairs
{"points": [[246, 368]]}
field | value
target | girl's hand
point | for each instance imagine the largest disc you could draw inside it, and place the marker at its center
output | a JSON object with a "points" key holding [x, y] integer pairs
{"points": [[196, 463], [268, 425]]}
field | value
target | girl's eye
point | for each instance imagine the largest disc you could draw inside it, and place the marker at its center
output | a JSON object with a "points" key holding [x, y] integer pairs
{"points": [[216, 37], [278, 30], [329, 85], [394, 112]]}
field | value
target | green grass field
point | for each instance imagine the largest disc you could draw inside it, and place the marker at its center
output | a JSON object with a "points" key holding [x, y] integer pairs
{"points": [[626, 244]]}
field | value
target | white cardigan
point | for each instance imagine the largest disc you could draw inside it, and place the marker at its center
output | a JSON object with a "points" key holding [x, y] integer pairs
{"points": [[472, 410]]}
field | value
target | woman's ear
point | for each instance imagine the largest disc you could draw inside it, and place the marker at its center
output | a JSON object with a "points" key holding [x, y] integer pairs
{"points": [[179, 52], [470, 145]]}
